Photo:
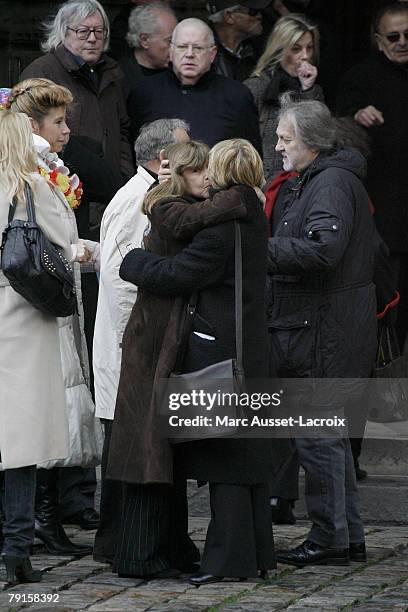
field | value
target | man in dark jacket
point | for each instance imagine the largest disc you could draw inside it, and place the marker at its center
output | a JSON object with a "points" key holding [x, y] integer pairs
{"points": [[233, 24], [215, 107], [375, 93], [74, 57], [322, 313], [149, 36]]}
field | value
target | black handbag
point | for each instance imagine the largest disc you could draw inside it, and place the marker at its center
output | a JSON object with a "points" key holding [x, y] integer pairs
{"points": [[229, 374], [34, 267], [388, 397]]}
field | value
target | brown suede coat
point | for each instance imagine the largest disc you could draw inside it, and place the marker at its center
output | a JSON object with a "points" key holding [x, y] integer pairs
{"points": [[152, 340]]}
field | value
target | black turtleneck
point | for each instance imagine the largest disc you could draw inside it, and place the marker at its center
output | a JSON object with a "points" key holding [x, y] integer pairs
{"points": [[216, 107]]}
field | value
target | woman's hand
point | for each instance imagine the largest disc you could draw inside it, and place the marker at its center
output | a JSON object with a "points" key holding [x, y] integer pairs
{"points": [[164, 171], [80, 252], [307, 75]]}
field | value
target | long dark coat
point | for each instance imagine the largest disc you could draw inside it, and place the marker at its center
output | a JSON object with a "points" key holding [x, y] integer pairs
{"points": [[322, 305], [207, 266], [384, 84], [152, 338]]}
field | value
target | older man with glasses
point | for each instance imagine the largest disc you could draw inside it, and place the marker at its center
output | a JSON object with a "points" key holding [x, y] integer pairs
{"points": [[375, 93], [233, 26], [75, 46], [215, 107]]}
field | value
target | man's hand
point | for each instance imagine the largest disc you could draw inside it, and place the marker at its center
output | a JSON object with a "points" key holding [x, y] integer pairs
{"points": [[307, 75], [369, 116]]}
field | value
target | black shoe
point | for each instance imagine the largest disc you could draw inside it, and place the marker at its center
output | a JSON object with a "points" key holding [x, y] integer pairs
{"points": [[360, 474], [202, 579], [310, 553], [56, 541], [19, 569], [48, 527], [358, 552], [86, 519], [282, 513]]}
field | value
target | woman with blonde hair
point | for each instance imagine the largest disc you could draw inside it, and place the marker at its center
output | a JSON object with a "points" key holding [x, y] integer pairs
{"points": [[287, 64], [33, 422], [239, 540], [45, 103]]}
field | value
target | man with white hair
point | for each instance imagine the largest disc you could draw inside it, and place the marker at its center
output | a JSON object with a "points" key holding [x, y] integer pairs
{"points": [[149, 36], [233, 24], [215, 107], [119, 28], [74, 57]]}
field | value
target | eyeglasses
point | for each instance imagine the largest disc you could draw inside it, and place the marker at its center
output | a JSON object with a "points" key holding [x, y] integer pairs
{"points": [[196, 49], [394, 37], [244, 10], [84, 33]]}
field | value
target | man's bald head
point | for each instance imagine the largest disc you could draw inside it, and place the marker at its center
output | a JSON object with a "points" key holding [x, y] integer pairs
{"points": [[192, 50]]}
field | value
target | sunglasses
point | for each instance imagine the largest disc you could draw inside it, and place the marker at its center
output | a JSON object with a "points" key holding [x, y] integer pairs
{"points": [[244, 10], [394, 37]]}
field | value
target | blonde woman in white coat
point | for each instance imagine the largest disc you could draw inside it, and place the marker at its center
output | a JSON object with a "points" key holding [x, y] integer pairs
{"points": [[45, 103], [33, 422]]}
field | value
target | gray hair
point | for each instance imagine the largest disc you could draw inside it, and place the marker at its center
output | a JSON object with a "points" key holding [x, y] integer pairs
{"points": [[69, 14], [155, 136], [143, 20], [218, 17], [312, 121], [198, 23]]}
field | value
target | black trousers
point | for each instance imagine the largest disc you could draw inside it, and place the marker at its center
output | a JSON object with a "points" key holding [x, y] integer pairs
{"points": [[110, 507], [153, 533], [77, 488], [239, 538]]}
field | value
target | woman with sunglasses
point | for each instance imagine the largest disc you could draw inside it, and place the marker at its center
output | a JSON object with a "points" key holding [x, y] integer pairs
{"points": [[287, 64]]}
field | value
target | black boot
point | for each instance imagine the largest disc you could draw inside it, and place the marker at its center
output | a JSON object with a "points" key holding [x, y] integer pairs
{"points": [[48, 527], [19, 569]]}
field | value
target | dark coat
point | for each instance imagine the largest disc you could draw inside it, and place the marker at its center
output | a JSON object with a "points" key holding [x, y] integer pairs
{"points": [[216, 108], [238, 66], [322, 306], [380, 82], [207, 266], [152, 340], [98, 110], [84, 157]]}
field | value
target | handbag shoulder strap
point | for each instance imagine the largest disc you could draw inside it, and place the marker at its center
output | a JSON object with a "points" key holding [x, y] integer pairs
{"points": [[238, 299], [29, 205], [192, 304]]}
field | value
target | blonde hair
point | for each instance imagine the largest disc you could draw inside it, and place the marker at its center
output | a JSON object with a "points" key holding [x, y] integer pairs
{"points": [[18, 159], [286, 33], [36, 97], [235, 162], [192, 155]]}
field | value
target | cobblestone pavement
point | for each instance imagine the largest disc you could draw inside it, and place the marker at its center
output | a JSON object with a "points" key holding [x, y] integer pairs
{"points": [[379, 585]]}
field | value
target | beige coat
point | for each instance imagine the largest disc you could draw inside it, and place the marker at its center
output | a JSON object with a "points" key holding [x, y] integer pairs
{"points": [[122, 228], [33, 422]]}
